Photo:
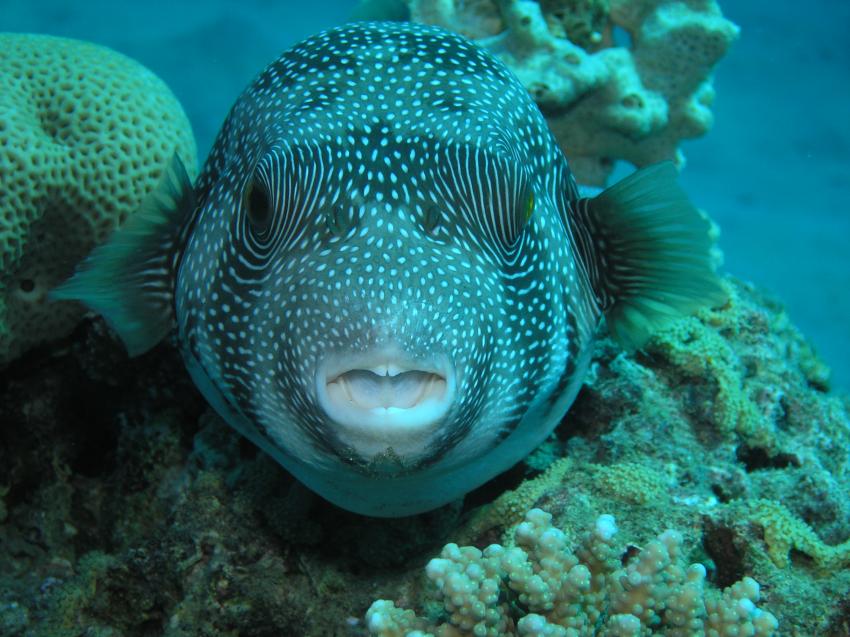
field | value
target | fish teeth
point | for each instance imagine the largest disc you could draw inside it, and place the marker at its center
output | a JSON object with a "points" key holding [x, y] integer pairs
{"points": [[387, 369]]}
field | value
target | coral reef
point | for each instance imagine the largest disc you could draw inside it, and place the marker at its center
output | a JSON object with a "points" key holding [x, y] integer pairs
{"points": [[126, 507], [84, 135], [540, 587], [616, 79]]}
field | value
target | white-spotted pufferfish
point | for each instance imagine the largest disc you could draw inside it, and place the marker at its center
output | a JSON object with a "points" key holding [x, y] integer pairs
{"points": [[385, 276]]}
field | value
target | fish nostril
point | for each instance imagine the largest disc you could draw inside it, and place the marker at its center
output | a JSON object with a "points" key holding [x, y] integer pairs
{"points": [[432, 220], [340, 219]]}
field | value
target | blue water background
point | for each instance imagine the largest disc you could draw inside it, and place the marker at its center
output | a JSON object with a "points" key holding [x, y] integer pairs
{"points": [[774, 171]]}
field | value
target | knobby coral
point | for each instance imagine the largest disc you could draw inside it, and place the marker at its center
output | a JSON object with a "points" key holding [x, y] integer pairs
{"points": [[616, 79], [542, 588]]}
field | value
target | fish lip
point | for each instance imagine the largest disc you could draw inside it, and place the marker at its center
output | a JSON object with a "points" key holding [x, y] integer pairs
{"points": [[380, 364], [404, 430]]}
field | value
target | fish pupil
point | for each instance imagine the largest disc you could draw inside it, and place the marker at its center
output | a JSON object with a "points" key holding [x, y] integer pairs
{"points": [[259, 207]]}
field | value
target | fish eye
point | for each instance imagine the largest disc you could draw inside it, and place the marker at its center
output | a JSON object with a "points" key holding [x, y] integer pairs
{"points": [[515, 223], [493, 193], [258, 205]]}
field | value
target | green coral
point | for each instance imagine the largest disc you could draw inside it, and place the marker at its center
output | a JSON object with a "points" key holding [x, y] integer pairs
{"points": [[784, 532], [72, 603], [625, 482], [542, 588], [510, 507], [696, 348], [717, 348], [631, 482]]}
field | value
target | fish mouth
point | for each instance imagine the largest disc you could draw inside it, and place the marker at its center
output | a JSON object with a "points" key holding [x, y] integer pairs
{"points": [[384, 401]]}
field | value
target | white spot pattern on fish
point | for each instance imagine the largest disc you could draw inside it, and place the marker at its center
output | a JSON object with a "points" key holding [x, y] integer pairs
{"points": [[385, 277]]}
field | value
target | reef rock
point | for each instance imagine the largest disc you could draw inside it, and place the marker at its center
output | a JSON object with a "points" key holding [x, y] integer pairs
{"points": [[128, 508]]}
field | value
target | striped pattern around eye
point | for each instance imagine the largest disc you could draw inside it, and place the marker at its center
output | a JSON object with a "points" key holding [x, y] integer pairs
{"points": [[590, 259], [491, 193], [294, 180]]}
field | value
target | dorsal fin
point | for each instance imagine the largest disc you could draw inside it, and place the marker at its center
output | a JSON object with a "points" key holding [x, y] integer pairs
{"points": [[647, 251], [129, 280]]}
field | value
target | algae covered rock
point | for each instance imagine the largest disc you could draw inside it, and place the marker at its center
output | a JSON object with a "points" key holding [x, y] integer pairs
{"points": [[722, 428], [85, 134], [144, 514]]}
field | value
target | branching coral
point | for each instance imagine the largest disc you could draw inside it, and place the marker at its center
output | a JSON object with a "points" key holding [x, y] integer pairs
{"points": [[606, 97], [542, 588]]}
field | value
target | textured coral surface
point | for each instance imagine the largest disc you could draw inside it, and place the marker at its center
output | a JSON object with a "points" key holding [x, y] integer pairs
{"points": [[541, 588], [84, 135], [128, 509], [616, 79]]}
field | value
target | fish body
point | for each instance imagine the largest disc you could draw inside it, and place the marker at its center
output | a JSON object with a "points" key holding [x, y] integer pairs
{"points": [[385, 276]]}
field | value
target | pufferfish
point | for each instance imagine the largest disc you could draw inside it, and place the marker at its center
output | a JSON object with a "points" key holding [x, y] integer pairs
{"points": [[385, 276]]}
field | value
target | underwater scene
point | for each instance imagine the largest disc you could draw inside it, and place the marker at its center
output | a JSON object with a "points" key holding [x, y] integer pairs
{"points": [[424, 318]]}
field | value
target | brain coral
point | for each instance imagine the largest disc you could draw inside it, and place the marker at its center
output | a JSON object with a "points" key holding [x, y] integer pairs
{"points": [[84, 135], [616, 79]]}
